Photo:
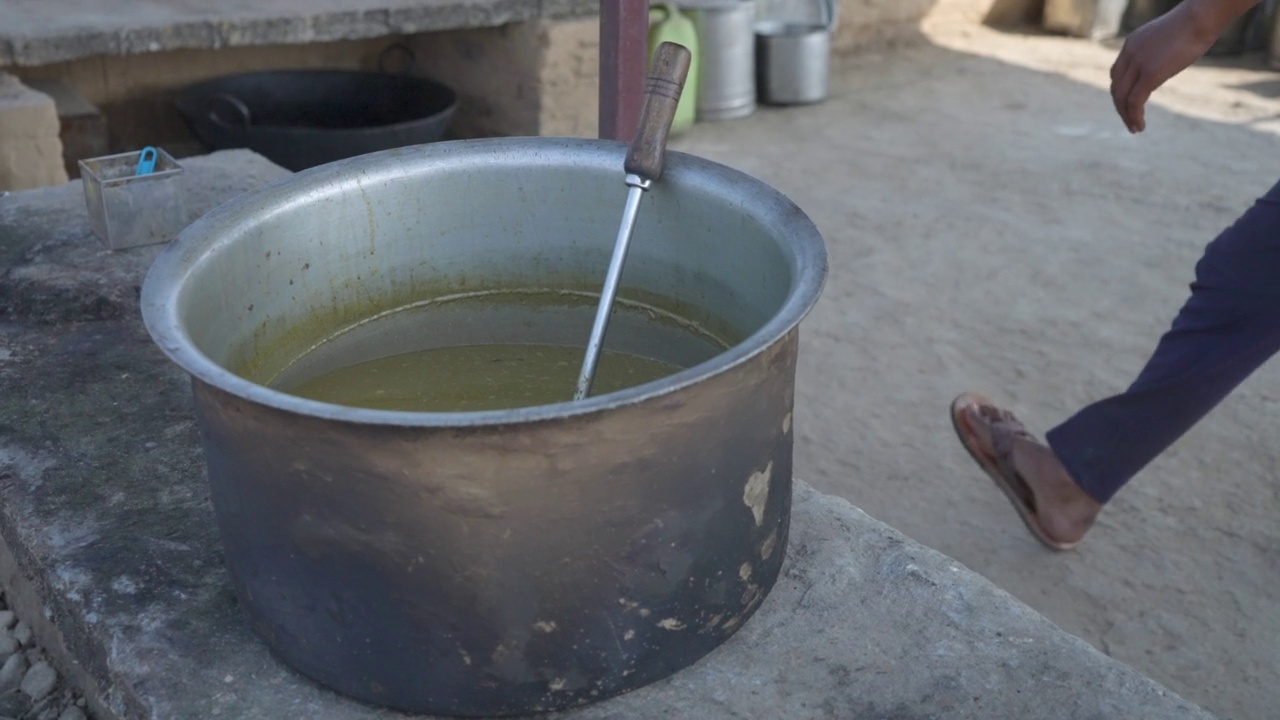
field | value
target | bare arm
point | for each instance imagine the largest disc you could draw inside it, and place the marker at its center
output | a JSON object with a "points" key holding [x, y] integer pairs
{"points": [[1165, 47]]}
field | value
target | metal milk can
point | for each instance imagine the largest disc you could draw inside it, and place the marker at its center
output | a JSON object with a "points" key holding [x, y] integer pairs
{"points": [[726, 75]]}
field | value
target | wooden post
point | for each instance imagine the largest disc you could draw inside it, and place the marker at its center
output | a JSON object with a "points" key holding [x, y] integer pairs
{"points": [[624, 39]]}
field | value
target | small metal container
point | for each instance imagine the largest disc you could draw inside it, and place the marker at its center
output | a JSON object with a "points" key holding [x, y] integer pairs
{"points": [[126, 209], [793, 62], [726, 68]]}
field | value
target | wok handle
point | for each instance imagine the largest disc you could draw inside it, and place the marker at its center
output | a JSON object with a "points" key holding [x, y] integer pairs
{"points": [[234, 102], [411, 59], [667, 74]]}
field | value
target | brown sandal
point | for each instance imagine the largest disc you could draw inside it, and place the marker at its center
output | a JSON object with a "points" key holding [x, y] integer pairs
{"points": [[1005, 428]]}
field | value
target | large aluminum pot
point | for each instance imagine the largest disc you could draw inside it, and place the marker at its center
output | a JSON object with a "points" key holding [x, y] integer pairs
{"points": [[509, 561]]}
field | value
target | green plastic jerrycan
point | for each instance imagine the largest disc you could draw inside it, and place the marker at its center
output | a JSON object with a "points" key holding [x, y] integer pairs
{"points": [[668, 24]]}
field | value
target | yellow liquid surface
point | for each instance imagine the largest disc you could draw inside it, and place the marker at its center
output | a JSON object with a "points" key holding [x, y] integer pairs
{"points": [[476, 377]]}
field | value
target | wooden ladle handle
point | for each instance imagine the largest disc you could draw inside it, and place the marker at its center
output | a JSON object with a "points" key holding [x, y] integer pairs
{"points": [[663, 87]]}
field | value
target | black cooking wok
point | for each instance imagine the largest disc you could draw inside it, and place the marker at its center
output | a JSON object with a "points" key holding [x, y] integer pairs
{"points": [[303, 118]]}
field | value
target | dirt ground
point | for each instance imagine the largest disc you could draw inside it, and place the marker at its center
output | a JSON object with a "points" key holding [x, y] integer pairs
{"points": [[993, 227]]}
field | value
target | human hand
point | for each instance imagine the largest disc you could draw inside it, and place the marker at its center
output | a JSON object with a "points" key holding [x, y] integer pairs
{"points": [[1165, 47]]}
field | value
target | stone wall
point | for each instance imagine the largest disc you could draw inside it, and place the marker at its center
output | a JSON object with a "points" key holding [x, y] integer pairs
{"points": [[30, 149], [535, 78], [570, 99]]}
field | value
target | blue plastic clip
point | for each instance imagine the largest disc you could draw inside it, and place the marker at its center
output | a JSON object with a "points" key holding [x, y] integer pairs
{"points": [[147, 163]]}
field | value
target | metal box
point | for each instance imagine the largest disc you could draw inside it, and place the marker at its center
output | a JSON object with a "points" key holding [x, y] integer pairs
{"points": [[126, 209]]}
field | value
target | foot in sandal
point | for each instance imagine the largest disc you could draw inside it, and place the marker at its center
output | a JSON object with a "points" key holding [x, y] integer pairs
{"points": [[1050, 503]]}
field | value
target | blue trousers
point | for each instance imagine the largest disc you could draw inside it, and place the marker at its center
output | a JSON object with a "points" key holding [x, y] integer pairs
{"points": [[1227, 329]]}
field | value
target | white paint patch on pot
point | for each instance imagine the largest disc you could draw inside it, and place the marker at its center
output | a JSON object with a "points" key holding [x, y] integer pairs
{"points": [[124, 585], [544, 626], [499, 653], [756, 493], [786, 424], [713, 622], [671, 624], [771, 542]]}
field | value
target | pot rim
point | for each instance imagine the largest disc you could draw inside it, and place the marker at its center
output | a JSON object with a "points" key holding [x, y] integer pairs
{"points": [[161, 289]]}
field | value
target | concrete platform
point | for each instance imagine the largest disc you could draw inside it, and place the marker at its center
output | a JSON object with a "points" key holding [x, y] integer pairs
{"points": [[108, 544], [40, 32]]}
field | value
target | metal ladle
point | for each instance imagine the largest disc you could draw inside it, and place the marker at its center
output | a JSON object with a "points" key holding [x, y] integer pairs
{"points": [[643, 166]]}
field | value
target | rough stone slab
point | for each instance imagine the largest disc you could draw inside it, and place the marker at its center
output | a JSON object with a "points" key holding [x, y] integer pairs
{"points": [[107, 535], [40, 32], [65, 274]]}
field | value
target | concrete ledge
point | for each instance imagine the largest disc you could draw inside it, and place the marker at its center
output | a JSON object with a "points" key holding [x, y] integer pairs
{"points": [[108, 543], [40, 32]]}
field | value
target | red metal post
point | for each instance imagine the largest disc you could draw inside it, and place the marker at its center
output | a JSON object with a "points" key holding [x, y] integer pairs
{"points": [[624, 39]]}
